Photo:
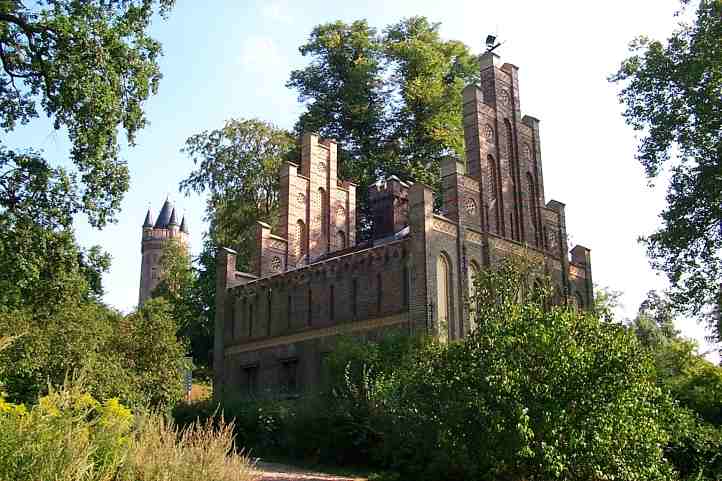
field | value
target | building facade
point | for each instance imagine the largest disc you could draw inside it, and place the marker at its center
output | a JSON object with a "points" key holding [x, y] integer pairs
{"points": [[312, 281], [155, 236]]}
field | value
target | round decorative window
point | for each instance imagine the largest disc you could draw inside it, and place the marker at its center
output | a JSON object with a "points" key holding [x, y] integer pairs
{"points": [[489, 133], [505, 98], [470, 206], [276, 264], [301, 198]]}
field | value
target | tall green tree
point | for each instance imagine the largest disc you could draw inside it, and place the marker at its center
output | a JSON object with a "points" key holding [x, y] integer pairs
{"points": [[89, 67], [672, 93], [391, 100], [180, 286], [428, 75], [238, 167]]}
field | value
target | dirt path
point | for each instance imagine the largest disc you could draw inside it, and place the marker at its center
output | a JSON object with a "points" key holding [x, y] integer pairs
{"points": [[281, 472]]}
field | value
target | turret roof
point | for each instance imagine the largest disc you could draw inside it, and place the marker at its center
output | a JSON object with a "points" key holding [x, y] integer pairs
{"points": [[164, 216], [173, 220], [184, 226], [148, 222]]}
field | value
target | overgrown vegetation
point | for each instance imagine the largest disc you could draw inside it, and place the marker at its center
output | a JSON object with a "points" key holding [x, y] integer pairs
{"points": [[537, 392], [69, 435]]}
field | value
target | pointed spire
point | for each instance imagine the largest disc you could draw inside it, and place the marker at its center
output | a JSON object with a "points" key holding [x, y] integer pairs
{"points": [[148, 222], [164, 216], [184, 226], [173, 221]]}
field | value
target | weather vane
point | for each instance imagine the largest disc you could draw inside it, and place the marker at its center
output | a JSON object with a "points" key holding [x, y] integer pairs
{"points": [[491, 43]]}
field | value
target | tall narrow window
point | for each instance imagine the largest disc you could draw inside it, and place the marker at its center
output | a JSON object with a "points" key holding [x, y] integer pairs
{"points": [[250, 373], [379, 292], [323, 205], [495, 205], [251, 308], [514, 172], [340, 240], [405, 284], [442, 298], [310, 308], [533, 199], [233, 319], [289, 312], [301, 239], [332, 303], [354, 298], [472, 273], [269, 306]]}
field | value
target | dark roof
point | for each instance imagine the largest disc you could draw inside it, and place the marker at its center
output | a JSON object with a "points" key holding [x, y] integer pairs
{"points": [[164, 216], [148, 222], [184, 226], [173, 220]]}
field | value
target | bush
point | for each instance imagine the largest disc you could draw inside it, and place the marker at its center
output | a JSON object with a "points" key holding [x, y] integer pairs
{"points": [[68, 435]]}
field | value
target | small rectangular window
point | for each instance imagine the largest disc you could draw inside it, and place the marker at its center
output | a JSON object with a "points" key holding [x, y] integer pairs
{"points": [[289, 376], [250, 380]]}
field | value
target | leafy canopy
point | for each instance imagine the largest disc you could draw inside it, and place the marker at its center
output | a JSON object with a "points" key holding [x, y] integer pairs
{"points": [[672, 93]]}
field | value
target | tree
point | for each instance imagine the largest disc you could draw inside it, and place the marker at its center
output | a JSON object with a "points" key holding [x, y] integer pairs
{"points": [[135, 357], [392, 101], [692, 381], [428, 75], [179, 285], [239, 167], [671, 94]]}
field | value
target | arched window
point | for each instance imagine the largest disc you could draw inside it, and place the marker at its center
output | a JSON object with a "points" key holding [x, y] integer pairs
{"points": [[323, 204], [494, 191], [301, 239], [443, 293], [533, 199], [516, 232], [472, 272], [340, 240]]}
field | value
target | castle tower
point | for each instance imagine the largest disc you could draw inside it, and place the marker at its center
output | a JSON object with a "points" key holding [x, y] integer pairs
{"points": [[155, 236]]}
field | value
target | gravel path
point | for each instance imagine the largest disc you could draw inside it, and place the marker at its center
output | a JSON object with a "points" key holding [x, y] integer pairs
{"points": [[280, 472]]}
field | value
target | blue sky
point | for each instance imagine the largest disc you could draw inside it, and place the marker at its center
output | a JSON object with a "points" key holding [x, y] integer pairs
{"points": [[233, 59]]}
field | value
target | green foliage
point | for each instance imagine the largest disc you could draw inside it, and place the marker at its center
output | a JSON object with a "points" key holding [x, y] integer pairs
{"points": [[535, 392], [392, 101], [69, 435], [239, 167], [180, 286], [671, 92], [135, 358]]}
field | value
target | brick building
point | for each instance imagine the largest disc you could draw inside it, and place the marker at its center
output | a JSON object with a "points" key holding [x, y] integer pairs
{"points": [[311, 281], [155, 236]]}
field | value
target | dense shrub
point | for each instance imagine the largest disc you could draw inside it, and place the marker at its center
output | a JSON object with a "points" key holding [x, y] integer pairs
{"points": [[68, 435]]}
